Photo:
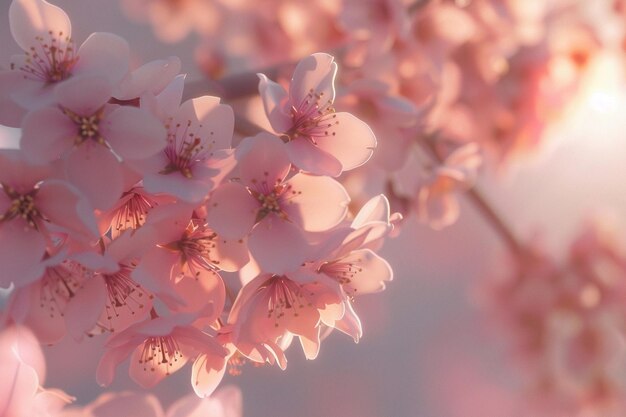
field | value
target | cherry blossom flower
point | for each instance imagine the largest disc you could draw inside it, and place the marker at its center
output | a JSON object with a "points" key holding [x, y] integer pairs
{"points": [[437, 202], [197, 155], [271, 309], [150, 78], [185, 249], [109, 299], [130, 212], [91, 135], [42, 305], [352, 262], [566, 322], [32, 213], [319, 140], [160, 346], [272, 209], [44, 32]]}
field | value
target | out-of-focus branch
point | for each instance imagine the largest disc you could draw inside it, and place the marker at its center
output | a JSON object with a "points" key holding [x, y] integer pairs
{"points": [[416, 5], [480, 203], [231, 87]]}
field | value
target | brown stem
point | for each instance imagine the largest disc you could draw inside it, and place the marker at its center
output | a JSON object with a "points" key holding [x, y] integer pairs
{"points": [[231, 87], [417, 5], [479, 202], [494, 220]]}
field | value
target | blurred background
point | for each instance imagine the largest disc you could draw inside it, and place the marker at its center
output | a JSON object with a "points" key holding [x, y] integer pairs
{"points": [[431, 345]]}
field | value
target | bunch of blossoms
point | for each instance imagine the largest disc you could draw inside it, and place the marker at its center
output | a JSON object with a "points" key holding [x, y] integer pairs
{"points": [[128, 214], [24, 372], [470, 80], [441, 83], [465, 78], [236, 35], [567, 322]]}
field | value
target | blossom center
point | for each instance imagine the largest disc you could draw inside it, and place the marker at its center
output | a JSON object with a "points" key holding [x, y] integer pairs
{"points": [[184, 149], [50, 60], [132, 214], [88, 126], [342, 272], [22, 206], [313, 118], [195, 249], [160, 351], [285, 297], [58, 285], [271, 201], [124, 296]]}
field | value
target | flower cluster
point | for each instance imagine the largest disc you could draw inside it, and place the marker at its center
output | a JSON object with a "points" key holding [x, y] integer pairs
{"points": [[127, 213], [484, 75], [566, 321]]}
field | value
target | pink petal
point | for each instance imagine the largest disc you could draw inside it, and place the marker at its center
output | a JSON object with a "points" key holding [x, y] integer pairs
{"points": [[12, 113], [231, 211], [350, 324], [64, 206], [275, 99], [16, 172], [211, 121], [216, 167], [48, 326], [149, 374], [85, 94], [318, 203], [109, 361], [373, 272], [168, 100], [85, 307], [278, 246], [205, 294], [376, 209], [263, 161], [29, 19], [104, 54], [47, 134], [232, 254], [311, 343], [190, 190], [50, 402], [206, 374], [154, 77], [18, 385], [168, 222], [352, 141], [133, 133], [21, 251], [18, 342], [309, 158], [316, 72], [154, 274], [97, 173]]}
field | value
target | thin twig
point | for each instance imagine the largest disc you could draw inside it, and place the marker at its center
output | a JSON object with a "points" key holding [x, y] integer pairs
{"points": [[231, 87]]}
